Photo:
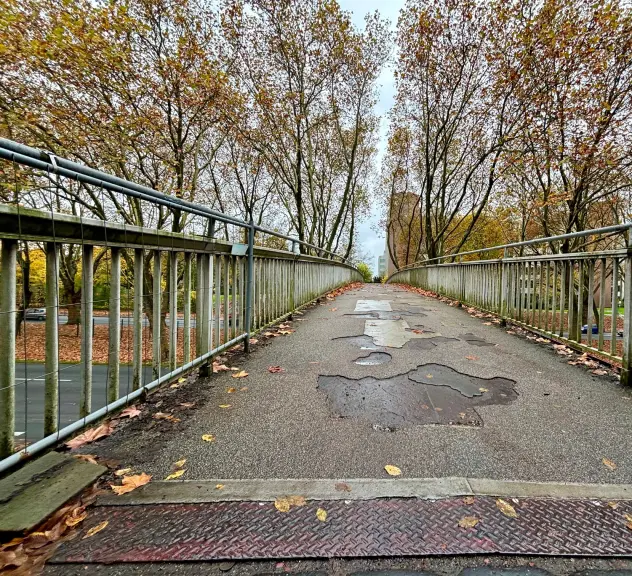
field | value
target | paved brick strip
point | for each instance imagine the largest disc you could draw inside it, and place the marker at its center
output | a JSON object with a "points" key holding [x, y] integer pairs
{"points": [[358, 528]]}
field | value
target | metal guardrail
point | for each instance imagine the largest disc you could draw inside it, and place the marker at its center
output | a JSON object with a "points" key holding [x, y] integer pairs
{"points": [[236, 289], [562, 296]]}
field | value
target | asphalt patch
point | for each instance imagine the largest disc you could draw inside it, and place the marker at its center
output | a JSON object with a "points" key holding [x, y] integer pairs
{"points": [[374, 359], [475, 340], [361, 341], [427, 343], [430, 394]]}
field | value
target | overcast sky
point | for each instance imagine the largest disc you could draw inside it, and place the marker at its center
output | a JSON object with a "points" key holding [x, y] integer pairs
{"points": [[372, 244]]}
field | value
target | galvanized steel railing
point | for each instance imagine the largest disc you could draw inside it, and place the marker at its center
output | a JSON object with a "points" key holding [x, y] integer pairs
{"points": [[564, 296], [208, 295]]}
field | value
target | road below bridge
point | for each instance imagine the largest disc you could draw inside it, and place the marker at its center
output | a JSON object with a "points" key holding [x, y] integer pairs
{"points": [[379, 376]]}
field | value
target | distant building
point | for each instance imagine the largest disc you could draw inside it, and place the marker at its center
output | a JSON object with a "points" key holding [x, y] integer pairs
{"points": [[381, 265]]}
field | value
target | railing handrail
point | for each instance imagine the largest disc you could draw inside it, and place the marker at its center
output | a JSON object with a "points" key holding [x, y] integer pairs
{"points": [[49, 162], [594, 232]]}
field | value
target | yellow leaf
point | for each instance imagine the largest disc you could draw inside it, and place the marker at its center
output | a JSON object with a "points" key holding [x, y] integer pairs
{"points": [[428, 375], [244, 388], [131, 483], [208, 438], [219, 486], [240, 374], [483, 390], [609, 464], [181, 380], [176, 474], [96, 529], [296, 500], [231, 390], [282, 505], [321, 514], [179, 463], [392, 470], [613, 505], [468, 500], [122, 471], [506, 508], [468, 522], [78, 515], [225, 405]]}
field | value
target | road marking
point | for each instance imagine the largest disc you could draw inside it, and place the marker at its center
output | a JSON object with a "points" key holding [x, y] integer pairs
{"points": [[18, 433], [41, 379]]}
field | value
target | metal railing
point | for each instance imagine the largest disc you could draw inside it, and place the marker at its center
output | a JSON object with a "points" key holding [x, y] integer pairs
{"points": [[565, 296], [186, 295]]}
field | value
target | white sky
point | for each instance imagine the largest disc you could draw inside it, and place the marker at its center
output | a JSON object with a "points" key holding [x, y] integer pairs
{"points": [[372, 244]]}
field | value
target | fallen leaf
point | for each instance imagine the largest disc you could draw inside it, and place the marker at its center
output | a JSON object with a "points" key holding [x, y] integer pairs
{"points": [[275, 369], [321, 514], [471, 357], [243, 388], [600, 372], [225, 405], [220, 368], [165, 416], [333, 309], [286, 332], [483, 390], [342, 487], [487, 323], [609, 464], [187, 404], [628, 524], [428, 375], [219, 486], [284, 326], [130, 412], [506, 508], [314, 362], [95, 529], [231, 390], [77, 516], [468, 522], [91, 435], [613, 505], [253, 341], [297, 500], [175, 385], [392, 470], [87, 457], [176, 474], [240, 374], [122, 471], [282, 505], [181, 380], [180, 463], [131, 483], [208, 438], [438, 409], [468, 500], [462, 415]]}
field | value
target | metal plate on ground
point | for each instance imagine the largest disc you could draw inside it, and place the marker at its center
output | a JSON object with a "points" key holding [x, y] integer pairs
{"points": [[389, 527], [371, 305]]}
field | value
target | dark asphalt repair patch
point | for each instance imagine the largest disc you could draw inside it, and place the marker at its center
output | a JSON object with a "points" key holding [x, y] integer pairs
{"points": [[373, 359], [362, 341], [427, 343], [475, 340], [430, 394]]}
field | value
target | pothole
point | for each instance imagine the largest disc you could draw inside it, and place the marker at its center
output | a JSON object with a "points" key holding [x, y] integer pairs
{"points": [[374, 359], [475, 340], [430, 394]]}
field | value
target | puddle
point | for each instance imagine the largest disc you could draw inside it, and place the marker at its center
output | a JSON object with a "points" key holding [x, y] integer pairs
{"points": [[363, 342], [475, 340], [413, 398], [374, 359]]}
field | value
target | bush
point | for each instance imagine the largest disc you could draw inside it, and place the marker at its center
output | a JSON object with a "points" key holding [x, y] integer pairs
{"points": [[367, 274], [377, 280]]}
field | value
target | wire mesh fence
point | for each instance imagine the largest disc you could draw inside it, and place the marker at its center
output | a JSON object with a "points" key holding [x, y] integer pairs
{"points": [[109, 288]]}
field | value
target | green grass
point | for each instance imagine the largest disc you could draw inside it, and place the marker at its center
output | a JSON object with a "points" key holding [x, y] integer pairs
{"points": [[608, 311]]}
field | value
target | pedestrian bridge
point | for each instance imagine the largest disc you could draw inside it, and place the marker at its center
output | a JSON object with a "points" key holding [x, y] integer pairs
{"points": [[468, 406]]}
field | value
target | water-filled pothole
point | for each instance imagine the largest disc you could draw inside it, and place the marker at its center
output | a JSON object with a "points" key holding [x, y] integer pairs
{"points": [[373, 359], [475, 340], [430, 394]]}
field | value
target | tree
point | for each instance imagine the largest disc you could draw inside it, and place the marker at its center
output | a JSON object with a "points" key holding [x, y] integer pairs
{"points": [[365, 270]]}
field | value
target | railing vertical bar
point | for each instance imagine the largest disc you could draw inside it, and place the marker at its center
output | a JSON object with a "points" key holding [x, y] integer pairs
{"points": [[156, 361], [217, 299], [137, 361], [554, 299], [563, 266], [233, 274], [614, 306], [591, 301], [547, 279], [173, 310], [186, 301], [87, 284], [51, 360], [114, 326], [8, 294], [580, 299], [602, 302], [626, 363], [249, 285], [226, 269]]}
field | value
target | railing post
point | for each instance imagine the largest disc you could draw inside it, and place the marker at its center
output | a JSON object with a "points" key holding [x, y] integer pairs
{"points": [[173, 310], [7, 346], [86, 329], [114, 352], [156, 316], [249, 283], [137, 361], [51, 361], [186, 333], [626, 364], [503, 289]]}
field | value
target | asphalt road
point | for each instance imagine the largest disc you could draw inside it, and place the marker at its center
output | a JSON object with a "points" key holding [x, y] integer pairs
{"points": [[29, 417]]}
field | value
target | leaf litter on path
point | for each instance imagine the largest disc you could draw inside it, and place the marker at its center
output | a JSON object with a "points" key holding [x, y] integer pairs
{"points": [[468, 522], [130, 483], [284, 503], [392, 470], [91, 435], [506, 508]]}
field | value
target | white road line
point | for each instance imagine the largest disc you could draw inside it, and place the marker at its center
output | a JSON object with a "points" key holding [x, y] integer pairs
{"points": [[40, 379]]}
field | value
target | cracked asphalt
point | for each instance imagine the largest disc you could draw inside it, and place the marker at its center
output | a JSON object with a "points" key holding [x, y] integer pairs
{"points": [[563, 422]]}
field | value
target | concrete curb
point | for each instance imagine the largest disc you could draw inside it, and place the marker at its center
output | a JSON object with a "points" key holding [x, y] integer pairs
{"points": [[265, 490]]}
